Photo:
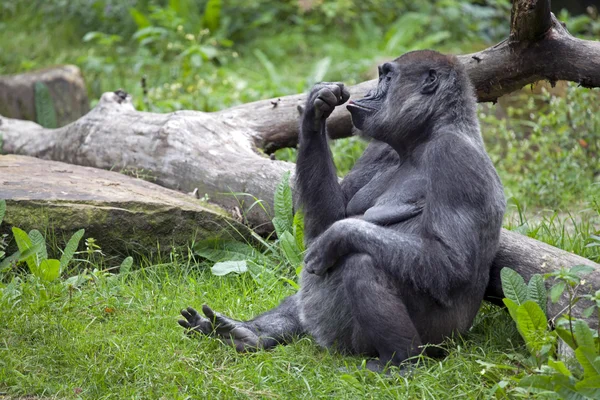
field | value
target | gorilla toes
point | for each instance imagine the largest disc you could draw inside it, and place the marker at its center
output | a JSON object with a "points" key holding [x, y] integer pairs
{"points": [[194, 323]]}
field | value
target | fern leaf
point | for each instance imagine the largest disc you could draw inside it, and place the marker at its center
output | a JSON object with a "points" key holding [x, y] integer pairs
{"points": [[290, 249], [299, 230], [70, 249], [45, 113], [283, 205]]}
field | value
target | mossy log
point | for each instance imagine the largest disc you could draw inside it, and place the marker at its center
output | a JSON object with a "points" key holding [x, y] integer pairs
{"points": [[125, 215]]}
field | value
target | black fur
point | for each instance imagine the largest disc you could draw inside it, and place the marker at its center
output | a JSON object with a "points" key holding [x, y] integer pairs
{"points": [[399, 253]]}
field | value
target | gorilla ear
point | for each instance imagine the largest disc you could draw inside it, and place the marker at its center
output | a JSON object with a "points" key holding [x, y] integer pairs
{"points": [[430, 83]]}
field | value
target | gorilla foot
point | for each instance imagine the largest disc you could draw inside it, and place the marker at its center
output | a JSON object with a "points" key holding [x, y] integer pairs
{"points": [[194, 323], [232, 332]]}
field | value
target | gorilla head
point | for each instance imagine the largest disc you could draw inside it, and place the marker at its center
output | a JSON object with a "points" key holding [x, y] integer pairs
{"points": [[414, 91]]}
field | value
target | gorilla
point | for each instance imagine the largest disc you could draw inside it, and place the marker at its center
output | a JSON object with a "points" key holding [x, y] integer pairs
{"points": [[398, 254]]}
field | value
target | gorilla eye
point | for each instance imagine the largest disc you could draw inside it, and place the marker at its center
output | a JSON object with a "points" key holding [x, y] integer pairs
{"points": [[388, 78]]}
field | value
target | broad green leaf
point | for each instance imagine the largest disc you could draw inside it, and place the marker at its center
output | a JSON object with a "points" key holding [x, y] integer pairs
{"points": [[70, 249], [2, 209], [589, 360], [183, 8], [38, 241], [212, 15], [543, 382], [24, 244], [583, 334], [227, 267], [567, 391], [126, 265], [557, 290], [30, 252], [531, 323], [536, 291], [581, 270], [559, 366], [513, 286], [512, 308], [291, 251], [299, 230], [565, 335], [589, 387], [284, 217], [45, 113], [49, 270]]}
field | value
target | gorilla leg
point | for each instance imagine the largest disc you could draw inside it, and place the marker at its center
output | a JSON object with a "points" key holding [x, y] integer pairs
{"points": [[277, 326], [382, 323]]}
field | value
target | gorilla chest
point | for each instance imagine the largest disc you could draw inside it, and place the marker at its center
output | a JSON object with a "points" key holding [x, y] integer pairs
{"points": [[397, 187]]}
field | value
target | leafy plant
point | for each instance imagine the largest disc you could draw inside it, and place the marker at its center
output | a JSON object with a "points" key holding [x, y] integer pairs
{"points": [[552, 377], [45, 113], [32, 250], [237, 257], [549, 160]]}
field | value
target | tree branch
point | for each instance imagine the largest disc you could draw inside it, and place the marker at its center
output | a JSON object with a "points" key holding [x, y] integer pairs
{"points": [[539, 48]]}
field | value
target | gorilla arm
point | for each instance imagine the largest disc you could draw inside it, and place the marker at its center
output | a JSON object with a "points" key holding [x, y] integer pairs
{"points": [[320, 193]]}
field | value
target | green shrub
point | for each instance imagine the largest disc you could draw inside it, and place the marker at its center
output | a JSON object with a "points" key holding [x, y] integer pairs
{"points": [[547, 151], [545, 373]]}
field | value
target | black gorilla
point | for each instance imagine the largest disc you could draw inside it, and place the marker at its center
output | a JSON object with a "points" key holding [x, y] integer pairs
{"points": [[399, 253]]}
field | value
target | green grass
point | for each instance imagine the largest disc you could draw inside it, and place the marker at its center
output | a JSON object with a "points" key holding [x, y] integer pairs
{"points": [[117, 337]]}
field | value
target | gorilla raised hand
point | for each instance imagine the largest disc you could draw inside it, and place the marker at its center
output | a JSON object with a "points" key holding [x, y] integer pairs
{"points": [[399, 254]]}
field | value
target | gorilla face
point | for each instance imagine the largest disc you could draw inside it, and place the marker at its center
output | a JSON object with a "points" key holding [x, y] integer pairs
{"points": [[405, 99], [365, 108]]}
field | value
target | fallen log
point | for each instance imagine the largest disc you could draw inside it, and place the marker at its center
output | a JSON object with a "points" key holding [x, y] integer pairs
{"points": [[125, 215], [184, 150]]}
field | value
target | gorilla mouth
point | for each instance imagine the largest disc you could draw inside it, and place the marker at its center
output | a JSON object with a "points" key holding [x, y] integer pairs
{"points": [[354, 105]]}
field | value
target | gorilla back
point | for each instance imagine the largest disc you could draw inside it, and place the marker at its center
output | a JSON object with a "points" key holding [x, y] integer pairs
{"points": [[399, 253]]}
